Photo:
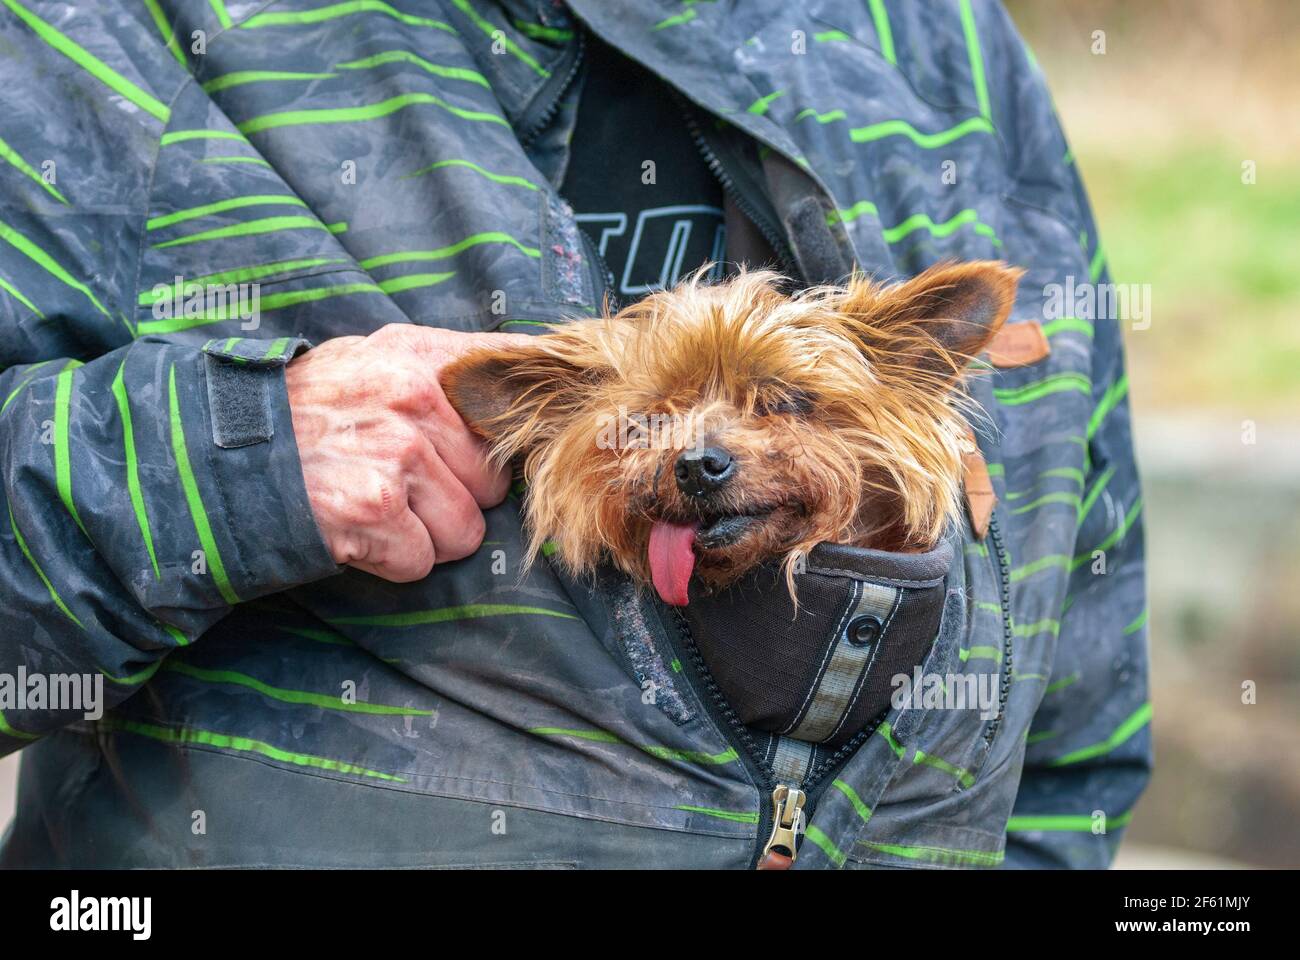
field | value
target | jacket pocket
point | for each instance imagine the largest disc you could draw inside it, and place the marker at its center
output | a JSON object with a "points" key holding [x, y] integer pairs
{"points": [[821, 671]]}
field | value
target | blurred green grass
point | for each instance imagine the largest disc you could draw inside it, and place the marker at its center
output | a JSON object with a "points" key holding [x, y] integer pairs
{"points": [[1160, 125], [1223, 261]]}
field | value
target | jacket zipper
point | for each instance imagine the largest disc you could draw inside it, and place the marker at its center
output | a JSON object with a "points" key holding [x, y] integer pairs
{"points": [[540, 120], [600, 274], [787, 826], [749, 754], [1008, 629], [781, 821], [774, 237], [602, 277]]}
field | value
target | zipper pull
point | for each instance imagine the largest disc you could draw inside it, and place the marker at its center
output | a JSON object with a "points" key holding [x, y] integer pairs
{"points": [[787, 825]]}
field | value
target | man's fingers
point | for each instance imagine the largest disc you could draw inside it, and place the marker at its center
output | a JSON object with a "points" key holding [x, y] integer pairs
{"points": [[378, 402], [403, 552], [467, 457], [447, 510]]}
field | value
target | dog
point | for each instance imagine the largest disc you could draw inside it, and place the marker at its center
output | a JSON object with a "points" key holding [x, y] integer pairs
{"points": [[833, 414]]}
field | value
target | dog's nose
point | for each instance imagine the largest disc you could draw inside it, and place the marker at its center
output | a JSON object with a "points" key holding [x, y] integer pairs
{"points": [[701, 472]]}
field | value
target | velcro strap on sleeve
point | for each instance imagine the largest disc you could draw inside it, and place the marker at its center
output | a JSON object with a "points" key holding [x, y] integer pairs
{"points": [[240, 375]]}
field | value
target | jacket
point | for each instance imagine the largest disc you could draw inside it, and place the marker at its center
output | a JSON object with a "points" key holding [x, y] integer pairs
{"points": [[365, 163]]}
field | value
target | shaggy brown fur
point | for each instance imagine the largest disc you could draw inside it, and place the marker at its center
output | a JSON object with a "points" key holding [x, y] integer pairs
{"points": [[840, 406]]}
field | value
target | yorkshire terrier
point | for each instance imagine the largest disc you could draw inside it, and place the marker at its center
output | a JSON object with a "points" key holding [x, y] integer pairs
{"points": [[711, 428]]}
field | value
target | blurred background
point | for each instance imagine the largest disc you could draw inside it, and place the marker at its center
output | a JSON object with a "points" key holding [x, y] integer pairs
{"points": [[1161, 124]]}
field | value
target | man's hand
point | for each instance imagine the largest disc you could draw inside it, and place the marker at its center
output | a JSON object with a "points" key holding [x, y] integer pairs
{"points": [[396, 480]]}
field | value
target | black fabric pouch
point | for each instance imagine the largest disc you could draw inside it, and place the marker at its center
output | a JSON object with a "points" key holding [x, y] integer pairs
{"points": [[819, 674]]}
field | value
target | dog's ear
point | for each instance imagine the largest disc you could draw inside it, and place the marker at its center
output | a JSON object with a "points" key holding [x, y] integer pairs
{"points": [[515, 397], [940, 318]]}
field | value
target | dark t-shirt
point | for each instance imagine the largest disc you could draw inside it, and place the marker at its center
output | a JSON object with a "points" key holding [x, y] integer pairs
{"points": [[638, 181]]}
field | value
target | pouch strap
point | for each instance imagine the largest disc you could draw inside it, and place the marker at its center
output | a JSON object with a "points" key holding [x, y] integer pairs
{"points": [[1019, 344], [978, 488]]}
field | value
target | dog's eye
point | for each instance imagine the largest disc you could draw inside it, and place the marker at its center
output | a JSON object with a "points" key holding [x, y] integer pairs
{"points": [[796, 403]]}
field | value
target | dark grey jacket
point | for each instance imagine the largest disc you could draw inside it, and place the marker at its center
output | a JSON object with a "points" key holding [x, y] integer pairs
{"points": [[371, 162]]}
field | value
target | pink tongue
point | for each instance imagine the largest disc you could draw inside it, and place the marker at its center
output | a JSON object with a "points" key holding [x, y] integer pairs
{"points": [[672, 560]]}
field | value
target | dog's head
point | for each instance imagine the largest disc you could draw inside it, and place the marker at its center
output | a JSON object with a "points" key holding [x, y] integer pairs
{"points": [[711, 428]]}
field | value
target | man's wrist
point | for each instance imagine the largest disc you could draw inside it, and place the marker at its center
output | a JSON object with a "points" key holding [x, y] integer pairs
{"points": [[255, 462]]}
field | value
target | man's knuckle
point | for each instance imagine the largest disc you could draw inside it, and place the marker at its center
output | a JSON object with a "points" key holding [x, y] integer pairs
{"points": [[466, 535], [405, 443], [390, 331], [372, 506], [424, 392], [411, 389]]}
